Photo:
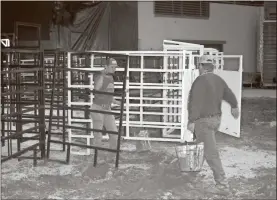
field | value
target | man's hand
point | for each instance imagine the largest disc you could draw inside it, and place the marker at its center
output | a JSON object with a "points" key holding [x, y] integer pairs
{"points": [[117, 102], [235, 112], [191, 127]]}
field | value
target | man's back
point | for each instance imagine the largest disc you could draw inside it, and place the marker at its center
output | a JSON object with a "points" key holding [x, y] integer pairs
{"points": [[206, 96]]}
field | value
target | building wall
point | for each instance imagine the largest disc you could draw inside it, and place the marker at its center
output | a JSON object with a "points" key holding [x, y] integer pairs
{"points": [[39, 12], [234, 24]]}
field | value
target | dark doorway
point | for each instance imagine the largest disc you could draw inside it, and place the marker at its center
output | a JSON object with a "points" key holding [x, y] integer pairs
{"points": [[207, 43], [218, 47]]}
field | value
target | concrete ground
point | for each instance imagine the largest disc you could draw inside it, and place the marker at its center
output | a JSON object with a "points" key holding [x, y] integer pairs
{"points": [[249, 162], [255, 93]]}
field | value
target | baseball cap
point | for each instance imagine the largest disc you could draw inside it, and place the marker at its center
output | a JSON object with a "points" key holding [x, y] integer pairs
{"points": [[112, 62], [205, 59]]}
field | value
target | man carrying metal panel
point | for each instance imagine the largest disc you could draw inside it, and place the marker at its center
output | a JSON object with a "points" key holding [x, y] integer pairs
{"points": [[204, 114], [105, 82]]}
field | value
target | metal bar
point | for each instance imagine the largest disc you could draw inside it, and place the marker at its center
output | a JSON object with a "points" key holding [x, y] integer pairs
{"points": [[35, 157], [18, 50], [41, 106], [67, 152], [154, 139], [84, 146], [19, 133], [91, 129], [153, 70], [21, 91], [95, 157], [121, 113], [51, 108], [15, 155], [24, 70], [64, 101], [90, 110]]}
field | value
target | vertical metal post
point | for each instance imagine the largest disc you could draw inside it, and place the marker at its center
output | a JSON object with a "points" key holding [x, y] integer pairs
{"points": [[91, 94], [35, 157], [51, 107], [125, 79], [68, 154], [183, 102], [10, 149], [141, 108], [18, 104], [64, 98], [165, 94], [42, 105], [69, 94]]}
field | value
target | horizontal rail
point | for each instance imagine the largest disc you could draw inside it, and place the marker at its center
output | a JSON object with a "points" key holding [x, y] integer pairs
{"points": [[84, 146], [21, 132], [22, 70], [91, 129], [72, 87], [15, 155], [154, 123], [80, 120], [157, 126], [22, 91], [93, 70], [89, 110], [161, 87], [18, 50], [153, 113], [154, 105], [153, 139], [16, 113]]}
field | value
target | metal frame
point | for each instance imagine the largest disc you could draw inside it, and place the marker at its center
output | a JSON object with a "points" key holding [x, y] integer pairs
{"points": [[86, 89], [54, 59], [178, 69], [10, 36], [18, 94], [71, 103], [169, 123], [131, 86]]}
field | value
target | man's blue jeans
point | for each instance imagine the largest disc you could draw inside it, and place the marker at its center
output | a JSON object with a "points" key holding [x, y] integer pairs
{"points": [[205, 129]]}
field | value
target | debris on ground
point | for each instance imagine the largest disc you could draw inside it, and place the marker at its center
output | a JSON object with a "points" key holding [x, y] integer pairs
{"points": [[249, 162]]}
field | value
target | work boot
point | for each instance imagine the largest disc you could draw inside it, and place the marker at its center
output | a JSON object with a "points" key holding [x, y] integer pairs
{"points": [[194, 179], [221, 188]]}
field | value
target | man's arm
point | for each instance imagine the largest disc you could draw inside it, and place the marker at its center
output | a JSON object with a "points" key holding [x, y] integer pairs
{"points": [[119, 102], [116, 102], [229, 96], [195, 100]]}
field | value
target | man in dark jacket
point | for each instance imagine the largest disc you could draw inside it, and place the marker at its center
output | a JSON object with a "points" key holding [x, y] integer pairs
{"points": [[204, 114]]}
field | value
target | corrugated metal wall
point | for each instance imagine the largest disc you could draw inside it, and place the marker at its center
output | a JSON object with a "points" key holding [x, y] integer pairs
{"points": [[269, 44], [124, 26]]}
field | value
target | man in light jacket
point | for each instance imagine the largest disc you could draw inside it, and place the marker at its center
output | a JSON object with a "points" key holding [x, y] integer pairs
{"points": [[105, 82]]}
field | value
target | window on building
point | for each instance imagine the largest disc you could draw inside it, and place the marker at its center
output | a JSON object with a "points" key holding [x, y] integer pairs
{"points": [[195, 9], [243, 3]]}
